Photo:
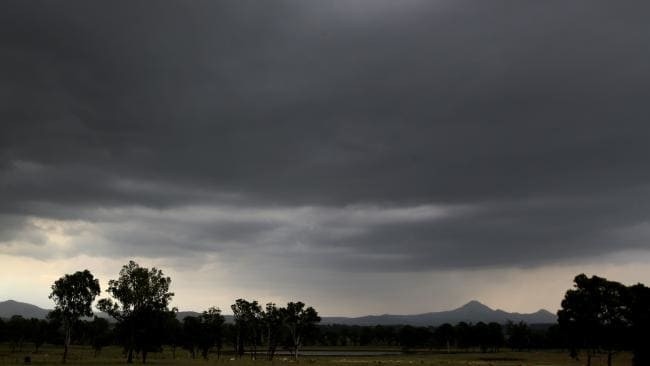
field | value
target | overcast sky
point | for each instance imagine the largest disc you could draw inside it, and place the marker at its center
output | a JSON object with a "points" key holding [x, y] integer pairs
{"points": [[362, 156]]}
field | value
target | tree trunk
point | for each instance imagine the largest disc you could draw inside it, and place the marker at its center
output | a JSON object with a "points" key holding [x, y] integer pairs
{"points": [[66, 342], [129, 358], [609, 358], [144, 357], [588, 358], [296, 343]]}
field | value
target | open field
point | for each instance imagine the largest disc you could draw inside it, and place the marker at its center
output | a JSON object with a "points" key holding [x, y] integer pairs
{"points": [[79, 355]]}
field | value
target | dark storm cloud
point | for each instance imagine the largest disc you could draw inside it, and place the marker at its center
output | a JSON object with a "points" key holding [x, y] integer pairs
{"points": [[532, 114]]}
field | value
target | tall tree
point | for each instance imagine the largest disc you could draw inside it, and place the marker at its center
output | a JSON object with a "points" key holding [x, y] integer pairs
{"points": [[273, 320], [141, 307], [212, 322], [247, 317], [593, 315], [300, 322], [173, 333], [73, 295], [192, 334], [638, 300]]}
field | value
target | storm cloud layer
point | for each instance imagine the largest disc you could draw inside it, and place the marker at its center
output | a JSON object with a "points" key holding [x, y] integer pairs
{"points": [[356, 136]]}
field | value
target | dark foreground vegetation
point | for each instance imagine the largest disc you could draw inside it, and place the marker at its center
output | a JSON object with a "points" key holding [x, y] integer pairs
{"points": [[599, 320], [113, 355]]}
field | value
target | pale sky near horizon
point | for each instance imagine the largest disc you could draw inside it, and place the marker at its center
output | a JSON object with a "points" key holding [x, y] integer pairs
{"points": [[363, 156]]}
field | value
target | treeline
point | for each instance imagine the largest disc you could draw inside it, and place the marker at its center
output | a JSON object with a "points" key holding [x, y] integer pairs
{"points": [[30, 334], [261, 332], [483, 337]]}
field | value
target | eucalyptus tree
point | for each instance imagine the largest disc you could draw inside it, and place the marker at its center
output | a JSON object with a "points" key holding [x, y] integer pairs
{"points": [[273, 320], [192, 334], [247, 316], [73, 295], [212, 323], [140, 305], [300, 322], [594, 315]]}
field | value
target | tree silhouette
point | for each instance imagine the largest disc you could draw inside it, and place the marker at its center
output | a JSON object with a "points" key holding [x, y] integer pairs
{"points": [[593, 315], [141, 307], [212, 323], [519, 335], [99, 333], [73, 296], [173, 333], [300, 323], [17, 329], [247, 317], [191, 334], [638, 300], [38, 332], [273, 320], [444, 335]]}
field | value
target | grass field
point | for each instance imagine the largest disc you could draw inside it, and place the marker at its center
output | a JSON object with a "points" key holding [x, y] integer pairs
{"points": [[49, 355]]}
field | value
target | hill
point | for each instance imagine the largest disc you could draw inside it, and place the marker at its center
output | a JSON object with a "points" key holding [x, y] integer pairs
{"points": [[10, 307], [473, 312]]}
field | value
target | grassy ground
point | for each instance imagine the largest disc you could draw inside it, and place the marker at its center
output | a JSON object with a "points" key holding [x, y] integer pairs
{"points": [[49, 355]]}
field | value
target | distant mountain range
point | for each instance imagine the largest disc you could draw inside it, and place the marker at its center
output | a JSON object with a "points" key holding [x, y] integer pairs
{"points": [[472, 312]]}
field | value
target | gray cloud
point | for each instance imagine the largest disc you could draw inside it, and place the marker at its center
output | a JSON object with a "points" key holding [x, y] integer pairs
{"points": [[525, 123]]}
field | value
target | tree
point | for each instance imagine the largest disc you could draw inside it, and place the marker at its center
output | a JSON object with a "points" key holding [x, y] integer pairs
{"points": [[3, 331], [99, 333], [17, 330], [300, 323], [464, 336], [212, 323], [38, 329], [444, 336], [593, 315], [273, 321], [191, 334], [173, 333], [247, 317], [409, 337], [203, 332], [140, 306], [638, 300], [519, 335], [73, 296]]}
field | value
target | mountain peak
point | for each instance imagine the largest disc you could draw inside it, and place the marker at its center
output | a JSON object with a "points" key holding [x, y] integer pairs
{"points": [[475, 305]]}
